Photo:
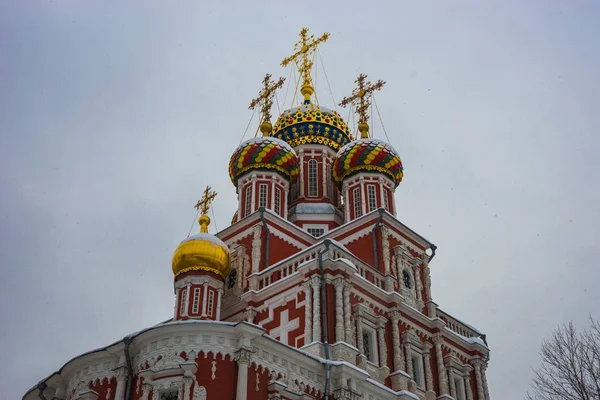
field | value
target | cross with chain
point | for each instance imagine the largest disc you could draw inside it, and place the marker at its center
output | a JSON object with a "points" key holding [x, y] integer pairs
{"points": [[204, 203], [265, 97], [302, 50], [361, 99]]}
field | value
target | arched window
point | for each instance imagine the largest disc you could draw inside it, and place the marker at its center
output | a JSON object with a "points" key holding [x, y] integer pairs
{"points": [[407, 279], [312, 178]]}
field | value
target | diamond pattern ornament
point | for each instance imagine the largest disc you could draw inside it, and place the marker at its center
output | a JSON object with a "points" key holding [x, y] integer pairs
{"points": [[264, 153], [367, 155]]}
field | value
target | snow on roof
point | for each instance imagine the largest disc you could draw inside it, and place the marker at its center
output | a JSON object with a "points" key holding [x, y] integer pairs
{"points": [[208, 238], [314, 208]]}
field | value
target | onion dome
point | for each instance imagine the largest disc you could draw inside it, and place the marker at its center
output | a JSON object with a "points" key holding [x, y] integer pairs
{"points": [[312, 124], [367, 155], [202, 252], [264, 153]]}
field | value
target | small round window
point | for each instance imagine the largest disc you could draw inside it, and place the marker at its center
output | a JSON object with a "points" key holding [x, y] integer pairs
{"points": [[407, 279]]}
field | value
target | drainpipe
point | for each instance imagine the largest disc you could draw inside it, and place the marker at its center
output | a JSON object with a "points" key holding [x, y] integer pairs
{"points": [[127, 340], [433, 247], [377, 225], [327, 243], [41, 387], [267, 233]]}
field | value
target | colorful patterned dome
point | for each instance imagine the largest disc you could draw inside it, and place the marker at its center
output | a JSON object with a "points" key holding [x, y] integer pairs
{"points": [[368, 155], [310, 123], [264, 153]]}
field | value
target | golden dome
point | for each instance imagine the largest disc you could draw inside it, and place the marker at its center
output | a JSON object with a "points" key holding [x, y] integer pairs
{"points": [[202, 252]]}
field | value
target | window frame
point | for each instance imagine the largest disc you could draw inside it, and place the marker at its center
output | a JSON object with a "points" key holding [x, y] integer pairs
{"points": [[263, 194], [248, 205], [374, 348], [386, 203], [313, 178], [371, 197], [196, 301], [210, 303], [277, 205], [356, 197], [418, 375]]}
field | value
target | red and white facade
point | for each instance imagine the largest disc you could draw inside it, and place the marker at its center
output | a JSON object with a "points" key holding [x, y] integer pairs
{"points": [[329, 297]]}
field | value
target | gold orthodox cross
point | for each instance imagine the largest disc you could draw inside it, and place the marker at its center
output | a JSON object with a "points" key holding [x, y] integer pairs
{"points": [[302, 50], [204, 203], [361, 99], [265, 97]]}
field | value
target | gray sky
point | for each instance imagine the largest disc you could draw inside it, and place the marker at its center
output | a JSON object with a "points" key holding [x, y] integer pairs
{"points": [[113, 118]]}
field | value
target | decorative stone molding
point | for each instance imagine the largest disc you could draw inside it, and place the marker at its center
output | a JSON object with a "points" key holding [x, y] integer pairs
{"points": [[348, 326], [338, 284], [256, 246]]}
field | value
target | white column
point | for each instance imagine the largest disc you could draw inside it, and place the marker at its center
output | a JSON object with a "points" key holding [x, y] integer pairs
{"points": [[273, 193], [484, 379], [121, 383], [409, 364], [418, 286], [204, 298], [187, 387], [240, 195], [468, 390], [219, 298], [316, 285], [324, 174], [382, 346], [479, 380], [339, 310], [347, 203], [243, 359], [381, 193], [359, 334], [427, 367], [285, 199], [451, 380], [443, 381], [253, 193], [349, 331], [187, 299], [301, 156], [363, 196], [146, 388], [307, 312], [396, 343]]}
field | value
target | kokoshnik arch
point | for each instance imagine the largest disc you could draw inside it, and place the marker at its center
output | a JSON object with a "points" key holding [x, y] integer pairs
{"points": [[315, 291]]}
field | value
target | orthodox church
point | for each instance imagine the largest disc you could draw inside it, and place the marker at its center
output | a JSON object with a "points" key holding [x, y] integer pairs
{"points": [[315, 291]]}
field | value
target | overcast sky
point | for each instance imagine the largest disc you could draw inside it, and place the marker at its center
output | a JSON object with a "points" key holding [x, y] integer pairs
{"points": [[115, 115]]}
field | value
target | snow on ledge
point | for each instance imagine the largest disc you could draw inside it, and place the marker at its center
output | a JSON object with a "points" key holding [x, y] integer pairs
{"points": [[400, 392]]}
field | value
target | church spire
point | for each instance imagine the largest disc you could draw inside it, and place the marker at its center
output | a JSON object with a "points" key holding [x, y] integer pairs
{"points": [[302, 51], [265, 99], [361, 99]]}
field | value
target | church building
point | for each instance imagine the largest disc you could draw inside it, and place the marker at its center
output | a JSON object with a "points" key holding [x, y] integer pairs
{"points": [[315, 291]]}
